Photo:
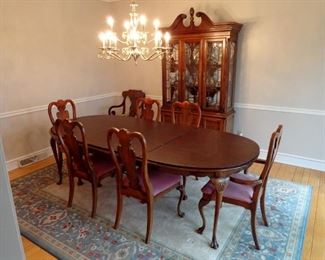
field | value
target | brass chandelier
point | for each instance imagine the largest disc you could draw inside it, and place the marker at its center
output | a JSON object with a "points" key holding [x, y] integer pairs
{"points": [[135, 40]]}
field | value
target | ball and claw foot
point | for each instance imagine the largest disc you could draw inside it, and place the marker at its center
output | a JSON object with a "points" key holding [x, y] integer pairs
{"points": [[181, 214], [200, 230], [214, 244]]}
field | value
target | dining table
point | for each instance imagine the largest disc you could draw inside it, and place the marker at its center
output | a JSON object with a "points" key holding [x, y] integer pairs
{"points": [[184, 150]]}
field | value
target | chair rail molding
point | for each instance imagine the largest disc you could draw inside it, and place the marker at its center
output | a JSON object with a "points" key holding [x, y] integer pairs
{"points": [[28, 110], [304, 111]]}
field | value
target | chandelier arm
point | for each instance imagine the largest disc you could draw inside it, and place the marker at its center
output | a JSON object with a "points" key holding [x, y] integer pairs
{"points": [[119, 57], [151, 57]]}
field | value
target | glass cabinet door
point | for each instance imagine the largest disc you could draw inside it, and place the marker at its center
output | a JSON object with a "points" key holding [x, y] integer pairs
{"points": [[191, 71], [212, 73], [172, 75]]}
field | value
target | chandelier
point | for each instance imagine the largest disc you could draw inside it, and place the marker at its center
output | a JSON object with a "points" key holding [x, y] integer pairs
{"points": [[135, 40]]}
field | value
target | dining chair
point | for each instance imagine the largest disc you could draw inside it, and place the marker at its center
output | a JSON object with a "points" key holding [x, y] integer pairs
{"points": [[246, 190], [130, 96], [145, 109], [59, 110], [80, 164], [186, 114], [134, 180]]}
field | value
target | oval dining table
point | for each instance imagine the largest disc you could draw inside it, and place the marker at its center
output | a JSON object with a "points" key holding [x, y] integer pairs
{"points": [[185, 150]]}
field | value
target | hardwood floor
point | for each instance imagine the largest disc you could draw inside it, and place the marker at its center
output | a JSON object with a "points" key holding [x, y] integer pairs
{"points": [[315, 232]]}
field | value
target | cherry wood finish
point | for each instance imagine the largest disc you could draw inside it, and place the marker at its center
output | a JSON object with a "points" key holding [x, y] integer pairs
{"points": [[186, 114], [202, 69], [216, 154], [132, 95], [242, 183], [136, 181], [79, 163], [145, 109], [62, 113]]}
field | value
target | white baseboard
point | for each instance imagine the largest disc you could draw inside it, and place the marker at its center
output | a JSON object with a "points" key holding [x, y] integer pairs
{"points": [[296, 160], [43, 153], [281, 158]]}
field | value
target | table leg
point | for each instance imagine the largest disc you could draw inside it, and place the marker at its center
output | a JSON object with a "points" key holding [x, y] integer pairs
{"points": [[220, 185]]}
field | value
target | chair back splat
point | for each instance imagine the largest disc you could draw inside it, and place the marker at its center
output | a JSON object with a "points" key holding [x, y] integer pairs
{"points": [[133, 179], [132, 95], [145, 109], [186, 114], [62, 111]]}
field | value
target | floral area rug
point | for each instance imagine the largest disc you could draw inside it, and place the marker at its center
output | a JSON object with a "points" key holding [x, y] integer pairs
{"points": [[69, 233]]}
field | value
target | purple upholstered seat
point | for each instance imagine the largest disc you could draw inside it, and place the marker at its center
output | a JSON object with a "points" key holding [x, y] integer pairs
{"points": [[233, 191], [161, 180]]}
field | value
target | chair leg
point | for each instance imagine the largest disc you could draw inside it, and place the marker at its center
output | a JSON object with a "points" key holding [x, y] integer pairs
{"points": [[181, 197], [71, 191], [149, 220], [262, 205], [118, 210], [60, 165], [203, 202], [79, 183], [253, 226], [94, 194], [184, 185], [56, 152]]}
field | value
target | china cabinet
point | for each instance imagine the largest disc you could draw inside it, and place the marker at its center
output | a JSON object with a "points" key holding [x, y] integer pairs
{"points": [[201, 68]]}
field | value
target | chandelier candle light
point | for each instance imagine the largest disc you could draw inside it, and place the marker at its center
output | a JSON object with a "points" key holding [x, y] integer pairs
{"points": [[135, 40]]}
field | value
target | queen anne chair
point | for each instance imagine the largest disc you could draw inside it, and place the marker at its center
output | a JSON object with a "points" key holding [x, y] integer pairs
{"points": [[136, 181], [62, 108], [80, 164], [246, 190], [132, 95], [146, 111], [186, 114]]}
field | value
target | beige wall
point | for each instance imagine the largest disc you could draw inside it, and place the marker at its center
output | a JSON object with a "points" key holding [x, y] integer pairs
{"points": [[48, 50]]}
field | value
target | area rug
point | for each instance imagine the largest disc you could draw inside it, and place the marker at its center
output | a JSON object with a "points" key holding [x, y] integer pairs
{"points": [[72, 234]]}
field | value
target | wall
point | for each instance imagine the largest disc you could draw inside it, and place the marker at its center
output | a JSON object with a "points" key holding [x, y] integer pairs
{"points": [[10, 240], [49, 51]]}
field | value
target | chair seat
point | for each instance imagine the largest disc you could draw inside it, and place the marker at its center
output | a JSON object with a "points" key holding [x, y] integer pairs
{"points": [[233, 191], [160, 180], [102, 166]]}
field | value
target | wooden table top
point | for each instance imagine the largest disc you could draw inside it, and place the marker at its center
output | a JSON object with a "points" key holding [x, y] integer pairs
{"points": [[205, 152]]}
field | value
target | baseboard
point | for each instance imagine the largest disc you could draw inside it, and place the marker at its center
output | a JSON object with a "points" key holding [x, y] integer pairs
{"points": [[281, 158], [296, 160], [43, 153]]}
